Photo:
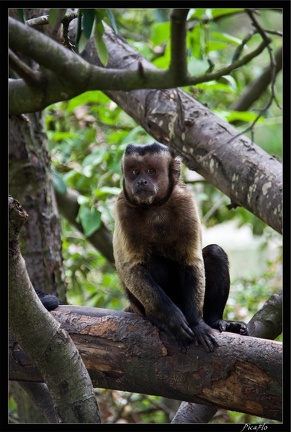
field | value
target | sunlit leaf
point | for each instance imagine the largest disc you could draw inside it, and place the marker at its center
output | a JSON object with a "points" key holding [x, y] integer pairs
{"points": [[215, 46], [226, 37], [106, 190], [99, 43], [197, 67], [90, 219], [245, 116], [82, 42], [215, 86], [83, 99], [60, 136], [217, 12], [197, 13], [160, 33]]}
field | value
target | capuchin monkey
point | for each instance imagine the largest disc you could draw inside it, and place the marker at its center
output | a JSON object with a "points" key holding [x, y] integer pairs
{"points": [[166, 275]]}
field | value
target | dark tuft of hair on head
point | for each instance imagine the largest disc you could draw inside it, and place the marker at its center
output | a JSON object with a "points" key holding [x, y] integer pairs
{"points": [[141, 150]]}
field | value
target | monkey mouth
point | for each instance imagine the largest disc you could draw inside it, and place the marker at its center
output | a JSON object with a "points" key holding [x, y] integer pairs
{"points": [[144, 195]]}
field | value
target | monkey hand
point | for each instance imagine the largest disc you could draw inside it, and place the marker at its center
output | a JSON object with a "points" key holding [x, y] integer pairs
{"points": [[176, 324], [203, 335], [232, 327]]}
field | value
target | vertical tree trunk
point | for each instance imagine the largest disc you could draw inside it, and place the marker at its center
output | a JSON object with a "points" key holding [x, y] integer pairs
{"points": [[30, 182]]}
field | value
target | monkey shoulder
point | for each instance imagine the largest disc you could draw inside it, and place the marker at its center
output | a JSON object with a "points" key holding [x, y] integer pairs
{"points": [[171, 229]]}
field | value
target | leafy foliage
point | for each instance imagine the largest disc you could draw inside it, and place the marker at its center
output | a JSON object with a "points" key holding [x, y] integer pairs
{"points": [[87, 136]]}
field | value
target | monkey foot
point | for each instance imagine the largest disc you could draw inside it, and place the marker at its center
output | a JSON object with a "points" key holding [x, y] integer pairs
{"points": [[232, 327]]}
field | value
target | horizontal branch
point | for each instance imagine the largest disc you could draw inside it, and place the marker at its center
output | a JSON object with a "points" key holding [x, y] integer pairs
{"points": [[124, 351], [72, 75], [248, 175]]}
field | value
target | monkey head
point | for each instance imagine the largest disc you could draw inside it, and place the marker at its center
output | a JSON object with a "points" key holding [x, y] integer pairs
{"points": [[150, 173]]}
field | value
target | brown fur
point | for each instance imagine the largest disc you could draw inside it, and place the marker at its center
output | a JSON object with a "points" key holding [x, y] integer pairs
{"points": [[161, 221]]}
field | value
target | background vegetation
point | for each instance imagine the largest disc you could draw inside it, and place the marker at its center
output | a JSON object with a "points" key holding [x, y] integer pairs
{"points": [[87, 136]]}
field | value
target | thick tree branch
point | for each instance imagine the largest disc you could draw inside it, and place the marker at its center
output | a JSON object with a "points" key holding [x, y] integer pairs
{"points": [[267, 324], [126, 352], [73, 76], [43, 338], [234, 164], [178, 66]]}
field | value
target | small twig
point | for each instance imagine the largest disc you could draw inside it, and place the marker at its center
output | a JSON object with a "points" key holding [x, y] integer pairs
{"points": [[44, 20], [213, 209], [227, 69], [239, 49], [276, 33], [273, 67], [34, 22], [66, 22], [255, 88], [23, 70]]}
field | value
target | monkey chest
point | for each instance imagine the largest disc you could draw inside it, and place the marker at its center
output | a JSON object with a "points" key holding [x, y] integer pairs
{"points": [[161, 234]]}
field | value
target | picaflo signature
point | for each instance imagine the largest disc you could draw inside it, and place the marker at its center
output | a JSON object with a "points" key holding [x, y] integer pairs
{"points": [[256, 428]]}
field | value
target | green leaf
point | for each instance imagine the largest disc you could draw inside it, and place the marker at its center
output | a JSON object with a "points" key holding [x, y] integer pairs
{"points": [[100, 14], [88, 21], [82, 42], [58, 182], [95, 158], [21, 16], [56, 15], [226, 37], [238, 115], [197, 13], [197, 67], [217, 12], [112, 20], [99, 43], [61, 136], [83, 99], [160, 33], [90, 219], [215, 46], [214, 85], [106, 190]]}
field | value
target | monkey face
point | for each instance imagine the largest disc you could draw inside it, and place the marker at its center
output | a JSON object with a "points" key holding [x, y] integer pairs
{"points": [[146, 179]]}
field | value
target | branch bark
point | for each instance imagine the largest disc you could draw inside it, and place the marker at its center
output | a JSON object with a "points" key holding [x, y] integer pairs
{"points": [[65, 74], [249, 176], [234, 164], [267, 324], [113, 346], [56, 356]]}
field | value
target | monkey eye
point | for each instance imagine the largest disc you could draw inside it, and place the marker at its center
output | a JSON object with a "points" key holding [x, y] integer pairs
{"points": [[135, 172], [151, 171]]}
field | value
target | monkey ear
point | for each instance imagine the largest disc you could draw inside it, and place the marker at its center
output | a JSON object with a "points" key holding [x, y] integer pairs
{"points": [[176, 167]]}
